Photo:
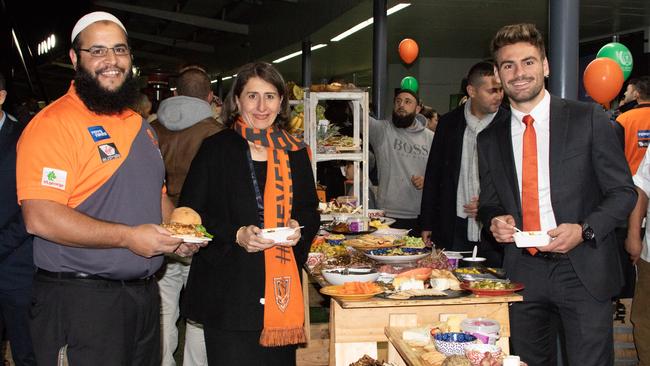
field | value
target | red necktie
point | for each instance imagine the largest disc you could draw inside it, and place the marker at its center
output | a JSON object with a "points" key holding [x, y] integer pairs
{"points": [[529, 191]]}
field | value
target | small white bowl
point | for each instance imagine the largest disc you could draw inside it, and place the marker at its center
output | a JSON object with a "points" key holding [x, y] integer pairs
{"points": [[353, 275], [473, 261], [527, 239], [278, 234]]}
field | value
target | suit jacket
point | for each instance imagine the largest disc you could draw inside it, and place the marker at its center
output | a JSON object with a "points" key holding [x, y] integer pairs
{"points": [[438, 208], [590, 182], [16, 262], [226, 283]]}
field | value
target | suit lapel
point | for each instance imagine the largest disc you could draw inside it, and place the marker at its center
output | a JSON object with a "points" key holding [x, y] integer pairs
{"points": [[504, 135], [459, 133], [558, 125]]}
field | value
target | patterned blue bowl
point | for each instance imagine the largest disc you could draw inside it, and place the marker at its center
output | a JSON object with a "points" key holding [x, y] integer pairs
{"points": [[452, 343]]}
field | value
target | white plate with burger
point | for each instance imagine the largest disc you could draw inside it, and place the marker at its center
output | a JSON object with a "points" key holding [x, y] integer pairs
{"points": [[185, 223]]}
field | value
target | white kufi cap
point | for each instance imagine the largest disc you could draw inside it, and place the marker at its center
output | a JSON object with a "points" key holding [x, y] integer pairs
{"points": [[91, 18]]}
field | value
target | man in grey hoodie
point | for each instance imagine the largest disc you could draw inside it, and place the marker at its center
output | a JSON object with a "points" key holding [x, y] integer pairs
{"points": [[401, 146], [184, 121]]}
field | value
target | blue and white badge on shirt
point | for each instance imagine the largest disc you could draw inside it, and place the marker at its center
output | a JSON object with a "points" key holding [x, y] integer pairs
{"points": [[98, 133]]}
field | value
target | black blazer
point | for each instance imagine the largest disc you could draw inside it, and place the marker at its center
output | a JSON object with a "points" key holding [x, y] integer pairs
{"points": [[438, 208], [16, 261], [226, 283], [590, 182]]}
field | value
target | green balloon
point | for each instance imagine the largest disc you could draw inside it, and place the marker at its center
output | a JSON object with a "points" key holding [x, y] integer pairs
{"points": [[619, 53], [410, 83]]}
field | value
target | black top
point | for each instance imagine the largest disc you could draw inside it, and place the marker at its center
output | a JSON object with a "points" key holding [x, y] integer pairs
{"points": [[226, 283], [260, 174]]}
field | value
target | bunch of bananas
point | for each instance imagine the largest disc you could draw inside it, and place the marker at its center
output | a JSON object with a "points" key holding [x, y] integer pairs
{"points": [[297, 123]]}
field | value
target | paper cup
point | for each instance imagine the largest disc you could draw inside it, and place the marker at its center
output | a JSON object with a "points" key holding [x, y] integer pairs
{"points": [[453, 258], [473, 262]]}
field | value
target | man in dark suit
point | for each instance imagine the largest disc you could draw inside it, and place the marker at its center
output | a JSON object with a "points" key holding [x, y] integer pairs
{"points": [[16, 263], [575, 185], [451, 183]]}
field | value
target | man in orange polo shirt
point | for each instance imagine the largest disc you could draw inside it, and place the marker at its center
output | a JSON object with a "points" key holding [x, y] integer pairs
{"points": [[90, 180], [636, 124]]}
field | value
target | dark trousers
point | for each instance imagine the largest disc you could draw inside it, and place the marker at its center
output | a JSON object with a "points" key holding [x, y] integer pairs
{"points": [[101, 322], [492, 252], [243, 348], [552, 287], [14, 308]]}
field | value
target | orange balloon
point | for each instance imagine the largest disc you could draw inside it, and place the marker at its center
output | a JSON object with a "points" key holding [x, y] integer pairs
{"points": [[603, 79], [408, 50]]}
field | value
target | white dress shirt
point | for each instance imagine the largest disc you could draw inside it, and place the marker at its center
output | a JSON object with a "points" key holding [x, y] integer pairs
{"points": [[541, 115]]}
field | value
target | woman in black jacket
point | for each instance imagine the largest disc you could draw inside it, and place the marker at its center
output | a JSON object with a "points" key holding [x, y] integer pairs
{"points": [[244, 289]]}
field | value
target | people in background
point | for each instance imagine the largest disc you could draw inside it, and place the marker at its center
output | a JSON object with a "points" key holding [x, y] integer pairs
{"points": [[629, 99], [637, 248], [451, 183], [217, 107], [184, 121], [554, 166], [142, 106], [432, 117], [16, 262], [401, 147], [90, 181], [634, 127], [244, 288], [636, 123]]}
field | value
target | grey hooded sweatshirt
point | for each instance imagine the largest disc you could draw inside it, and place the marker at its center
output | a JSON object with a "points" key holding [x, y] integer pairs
{"points": [[400, 154], [180, 112]]}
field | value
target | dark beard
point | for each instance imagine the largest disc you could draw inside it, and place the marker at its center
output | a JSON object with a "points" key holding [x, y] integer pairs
{"points": [[403, 122], [100, 100]]}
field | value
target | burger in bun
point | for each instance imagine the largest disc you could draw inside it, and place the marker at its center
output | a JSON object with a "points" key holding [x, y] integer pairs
{"points": [[186, 222]]}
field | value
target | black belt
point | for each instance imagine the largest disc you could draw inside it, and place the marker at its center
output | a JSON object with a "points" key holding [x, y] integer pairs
{"points": [[549, 256], [93, 278]]}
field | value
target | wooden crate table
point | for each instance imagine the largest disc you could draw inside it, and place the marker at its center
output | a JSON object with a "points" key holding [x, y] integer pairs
{"points": [[410, 355], [356, 326]]}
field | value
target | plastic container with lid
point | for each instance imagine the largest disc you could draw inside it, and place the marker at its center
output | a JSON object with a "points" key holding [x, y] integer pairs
{"points": [[347, 201], [358, 223], [453, 258], [484, 329]]}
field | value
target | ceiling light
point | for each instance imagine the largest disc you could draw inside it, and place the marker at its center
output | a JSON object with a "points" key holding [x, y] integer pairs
{"points": [[368, 22], [224, 78], [397, 8], [292, 55]]}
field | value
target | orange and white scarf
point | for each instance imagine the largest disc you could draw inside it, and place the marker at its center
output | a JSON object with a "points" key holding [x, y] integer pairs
{"points": [[284, 313]]}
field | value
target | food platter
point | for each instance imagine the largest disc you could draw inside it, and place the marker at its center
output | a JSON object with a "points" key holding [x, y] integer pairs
{"points": [[370, 242], [334, 291], [480, 273], [405, 258], [348, 232], [449, 294], [192, 239], [327, 218], [516, 286]]}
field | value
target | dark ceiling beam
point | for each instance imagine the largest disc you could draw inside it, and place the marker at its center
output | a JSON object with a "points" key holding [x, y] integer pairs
{"points": [[156, 57], [178, 43], [194, 20]]}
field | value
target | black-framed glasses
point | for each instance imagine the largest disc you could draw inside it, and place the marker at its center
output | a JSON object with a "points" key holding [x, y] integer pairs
{"points": [[101, 51]]}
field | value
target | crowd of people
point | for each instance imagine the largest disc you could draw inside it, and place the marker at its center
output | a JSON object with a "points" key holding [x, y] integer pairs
{"points": [[87, 272]]}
